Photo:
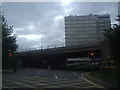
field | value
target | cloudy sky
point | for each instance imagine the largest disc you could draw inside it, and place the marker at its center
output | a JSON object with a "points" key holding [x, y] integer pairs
{"points": [[38, 23]]}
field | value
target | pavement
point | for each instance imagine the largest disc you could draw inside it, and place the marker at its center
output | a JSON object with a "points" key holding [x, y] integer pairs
{"points": [[98, 82]]}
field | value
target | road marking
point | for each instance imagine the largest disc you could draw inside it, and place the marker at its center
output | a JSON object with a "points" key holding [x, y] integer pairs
{"points": [[56, 75], [99, 86], [76, 75], [37, 82], [59, 84], [3, 86], [88, 86], [20, 84], [48, 67], [38, 73]]}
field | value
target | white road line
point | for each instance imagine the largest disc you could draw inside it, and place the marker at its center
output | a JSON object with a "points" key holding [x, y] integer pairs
{"points": [[56, 75], [99, 86], [38, 73], [76, 75]]}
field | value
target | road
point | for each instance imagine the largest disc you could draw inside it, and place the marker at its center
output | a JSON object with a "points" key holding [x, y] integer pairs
{"points": [[44, 78]]}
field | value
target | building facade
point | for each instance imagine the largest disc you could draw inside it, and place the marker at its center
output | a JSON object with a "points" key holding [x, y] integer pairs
{"points": [[119, 13], [87, 29]]}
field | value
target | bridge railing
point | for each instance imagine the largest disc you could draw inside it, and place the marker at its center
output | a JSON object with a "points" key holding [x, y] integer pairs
{"points": [[57, 46], [40, 48]]}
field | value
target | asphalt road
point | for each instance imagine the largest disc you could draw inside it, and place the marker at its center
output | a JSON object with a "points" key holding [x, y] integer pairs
{"points": [[44, 78]]}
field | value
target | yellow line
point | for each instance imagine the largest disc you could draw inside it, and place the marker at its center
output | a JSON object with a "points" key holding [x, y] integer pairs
{"points": [[34, 78], [81, 82], [64, 80], [72, 84], [5, 86], [53, 87], [88, 87], [30, 81], [66, 85], [59, 83], [41, 84], [35, 82], [20, 84], [99, 86]]}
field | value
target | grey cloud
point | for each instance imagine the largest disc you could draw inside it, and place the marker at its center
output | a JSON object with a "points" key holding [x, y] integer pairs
{"points": [[42, 17], [85, 8]]}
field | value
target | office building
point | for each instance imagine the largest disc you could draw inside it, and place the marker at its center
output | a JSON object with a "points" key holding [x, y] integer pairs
{"points": [[85, 29], [119, 13]]}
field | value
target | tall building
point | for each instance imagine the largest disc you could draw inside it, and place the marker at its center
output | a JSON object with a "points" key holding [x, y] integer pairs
{"points": [[119, 8], [85, 29], [119, 13]]}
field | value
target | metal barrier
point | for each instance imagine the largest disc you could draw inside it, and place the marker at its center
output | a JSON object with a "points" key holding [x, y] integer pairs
{"points": [[57, 46], [41, 48]]}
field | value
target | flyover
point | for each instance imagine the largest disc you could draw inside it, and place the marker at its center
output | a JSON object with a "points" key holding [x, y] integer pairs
{"points": [[57, 56], [63, 49]]}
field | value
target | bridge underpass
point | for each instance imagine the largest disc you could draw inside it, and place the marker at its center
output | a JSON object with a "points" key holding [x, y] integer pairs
{"points": [[57, 57]]}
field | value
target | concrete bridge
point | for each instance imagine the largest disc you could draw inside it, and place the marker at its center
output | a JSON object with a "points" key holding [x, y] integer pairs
{"points": [[57, 56]]}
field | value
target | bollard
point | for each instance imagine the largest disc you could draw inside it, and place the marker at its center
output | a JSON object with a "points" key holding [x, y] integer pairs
{"points": [[48, 67]]}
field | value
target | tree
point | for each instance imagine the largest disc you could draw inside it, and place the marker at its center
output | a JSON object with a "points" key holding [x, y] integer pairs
{"points": [[8, 43], [113, 37]]}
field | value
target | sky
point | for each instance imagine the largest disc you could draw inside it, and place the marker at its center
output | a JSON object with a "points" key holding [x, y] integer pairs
{"points": [[42, 23]]}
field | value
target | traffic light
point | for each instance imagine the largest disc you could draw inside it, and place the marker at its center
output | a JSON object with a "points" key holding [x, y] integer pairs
{"points": [[91, 55], [10, 54]]}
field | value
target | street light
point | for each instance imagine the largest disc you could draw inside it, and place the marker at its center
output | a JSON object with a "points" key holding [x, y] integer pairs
{"points": [[43, 33]]}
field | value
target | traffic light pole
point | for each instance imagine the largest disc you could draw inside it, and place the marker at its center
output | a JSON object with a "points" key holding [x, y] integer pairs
{"points": [[92, 66], [92, 57], [10, 61]]}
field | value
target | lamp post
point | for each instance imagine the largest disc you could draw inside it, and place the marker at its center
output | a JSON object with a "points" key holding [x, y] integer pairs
{"points": [[43, 33], [42, 41]]}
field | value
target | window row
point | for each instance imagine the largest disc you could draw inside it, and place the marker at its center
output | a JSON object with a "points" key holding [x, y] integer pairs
{"points": [[80, 33], [81, 40], [80, 37], [80, 28], [80, 22]]}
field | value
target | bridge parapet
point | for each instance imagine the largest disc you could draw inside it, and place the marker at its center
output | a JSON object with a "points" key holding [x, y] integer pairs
{"points": [[41, 48], [60, 46], [63, 49]]}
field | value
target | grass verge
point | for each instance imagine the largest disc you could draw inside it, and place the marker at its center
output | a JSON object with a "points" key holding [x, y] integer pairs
{"points": [[110, 77]]}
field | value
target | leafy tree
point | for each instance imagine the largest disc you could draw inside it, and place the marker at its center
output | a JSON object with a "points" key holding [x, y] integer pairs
{"points": [[8, 43], [113, 37]]}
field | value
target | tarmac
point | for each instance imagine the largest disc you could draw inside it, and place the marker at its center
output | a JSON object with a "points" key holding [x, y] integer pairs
{"points": [[100, 83], [93, 80]]}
